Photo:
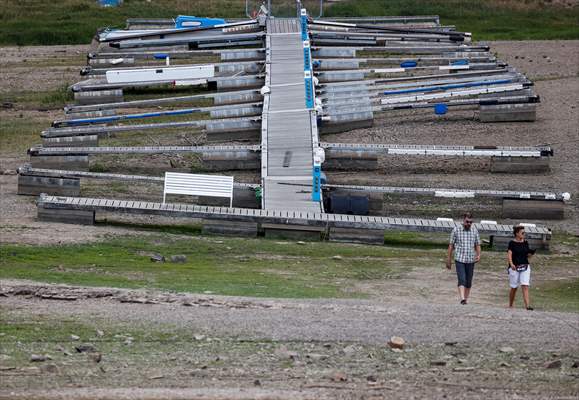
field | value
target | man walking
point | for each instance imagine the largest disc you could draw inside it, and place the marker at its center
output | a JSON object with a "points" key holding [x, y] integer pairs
{"points": [[465, 242]]}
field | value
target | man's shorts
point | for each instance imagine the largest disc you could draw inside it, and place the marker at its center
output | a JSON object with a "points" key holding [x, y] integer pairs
{"points": [[464, 273], [519, 278]]}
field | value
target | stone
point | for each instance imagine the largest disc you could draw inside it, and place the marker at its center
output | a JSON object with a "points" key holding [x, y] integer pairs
{"points": [[50, 368], [95, 357], [257, 382], [301, 242], [463, 369], [339, 377], [438, 363], [179, 259], [507, 349], [553, 364], [349, 350], [39, 358], [199, 337], [575, 364], [396, 342], [504, 365], [100, 333], [283, 352], [450, 343], [74, 337], [337, 257], [316, 357], [85, 348], [157, 258], [156, 377]]}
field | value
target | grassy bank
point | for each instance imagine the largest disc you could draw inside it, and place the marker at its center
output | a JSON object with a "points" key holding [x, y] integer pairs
{"points": [[37, 22], [245, 267], [487, 20], [270, 268]]}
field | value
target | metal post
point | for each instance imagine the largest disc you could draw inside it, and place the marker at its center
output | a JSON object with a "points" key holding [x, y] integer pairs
{"points": [[316, 184]]}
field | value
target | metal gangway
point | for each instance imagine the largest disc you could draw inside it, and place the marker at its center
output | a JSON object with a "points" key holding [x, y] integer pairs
{"points": [[289, 129]]}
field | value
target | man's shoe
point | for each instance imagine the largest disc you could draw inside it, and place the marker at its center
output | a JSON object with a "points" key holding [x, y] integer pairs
{"points": [[530, 308], [463, 302]]}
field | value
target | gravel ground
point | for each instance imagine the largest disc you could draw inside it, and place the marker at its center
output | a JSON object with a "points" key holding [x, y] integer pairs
{"points": [[289, 349]]}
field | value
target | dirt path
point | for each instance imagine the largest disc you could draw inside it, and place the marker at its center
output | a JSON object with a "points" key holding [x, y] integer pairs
{"points": [[288, 349]]}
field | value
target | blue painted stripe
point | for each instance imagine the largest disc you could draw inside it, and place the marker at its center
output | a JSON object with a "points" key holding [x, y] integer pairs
{"points": [[451, 86], [459, 62], [102, 120]]}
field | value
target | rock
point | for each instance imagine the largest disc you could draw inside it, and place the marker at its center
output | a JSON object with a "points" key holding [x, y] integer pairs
{"points": [[257, 382], [157, 258], [100, 333], [156, 377], [337, 257], [450, 343], [553, 364], [507, 349], [283, 352], [525, 357], [504, 365], [179, 259], [136, 300], [50, 368], [395, 350], [128, 341], [316, 357], [438, 363], [463, 369], [349, 350], [85, 348], [575, 364], [95, 357], [74, 337], [39, 358], [301, 242], [339, 377], [371, 378], [396, 342], [198, 337]]}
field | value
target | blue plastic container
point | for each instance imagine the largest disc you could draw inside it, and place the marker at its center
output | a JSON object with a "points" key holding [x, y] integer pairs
{"points": [[408, 64], [110, 3], [440, 109], [186, 21]]}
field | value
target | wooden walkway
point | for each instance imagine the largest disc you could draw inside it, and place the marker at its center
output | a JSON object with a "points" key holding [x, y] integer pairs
{"points": [[295, 218], [288, 127]]}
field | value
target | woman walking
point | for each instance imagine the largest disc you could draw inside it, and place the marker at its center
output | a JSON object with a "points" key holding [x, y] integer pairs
{"points": [[518, 255]]}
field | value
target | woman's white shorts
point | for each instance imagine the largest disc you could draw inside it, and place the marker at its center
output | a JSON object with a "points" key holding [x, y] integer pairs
{"points": [[519, 278]]}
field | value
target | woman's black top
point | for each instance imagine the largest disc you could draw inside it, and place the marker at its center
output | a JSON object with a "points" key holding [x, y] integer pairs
{"points": [[520, 251]]}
